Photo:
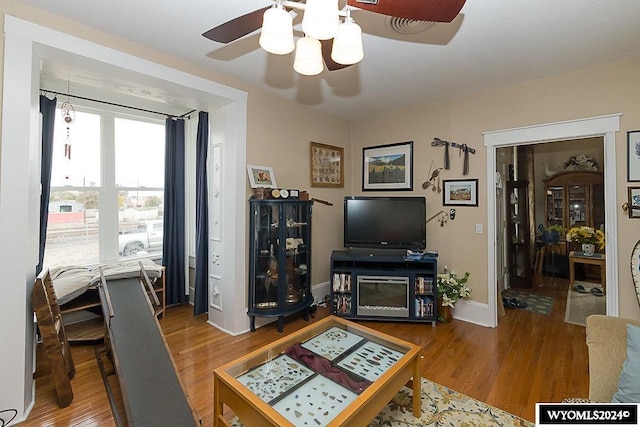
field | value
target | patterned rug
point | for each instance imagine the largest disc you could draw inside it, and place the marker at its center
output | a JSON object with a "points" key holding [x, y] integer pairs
{"points": [[580, 305], [540, 304], [441, 407]]}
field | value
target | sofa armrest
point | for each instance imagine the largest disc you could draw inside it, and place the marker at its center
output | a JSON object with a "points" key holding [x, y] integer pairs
{"points": [[607, 344]]}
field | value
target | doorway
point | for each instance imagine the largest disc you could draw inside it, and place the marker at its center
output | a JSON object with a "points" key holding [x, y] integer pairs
{"points": [[556, 184], [604, 126]]}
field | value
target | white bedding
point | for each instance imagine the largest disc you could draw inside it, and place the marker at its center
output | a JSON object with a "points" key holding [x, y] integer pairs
{"points": [[70, 282]]}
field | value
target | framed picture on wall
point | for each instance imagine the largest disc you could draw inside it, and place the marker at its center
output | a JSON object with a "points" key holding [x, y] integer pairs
{"points": [[460, 192], [633, 156], [388, 167], [327, 165], [634, 202]]}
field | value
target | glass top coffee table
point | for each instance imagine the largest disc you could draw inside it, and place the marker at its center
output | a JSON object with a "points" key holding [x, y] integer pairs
{"points": [[331, 373]]}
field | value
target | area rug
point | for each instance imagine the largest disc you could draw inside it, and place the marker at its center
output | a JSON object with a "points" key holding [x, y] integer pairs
{"points": [[580, 305], [536, 303], [441, 406]]}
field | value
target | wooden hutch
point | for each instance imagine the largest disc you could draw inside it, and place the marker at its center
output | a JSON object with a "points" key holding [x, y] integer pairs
{"points": [[575, 198]]}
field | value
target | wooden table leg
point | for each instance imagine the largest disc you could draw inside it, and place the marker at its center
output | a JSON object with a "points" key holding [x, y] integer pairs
{"points": [[572, 272], [217, 402], [417, 389], [603, 276]]}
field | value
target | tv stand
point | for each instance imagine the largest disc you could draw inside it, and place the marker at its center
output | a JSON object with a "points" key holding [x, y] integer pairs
{"points": [[370, 252], [382, 285]]}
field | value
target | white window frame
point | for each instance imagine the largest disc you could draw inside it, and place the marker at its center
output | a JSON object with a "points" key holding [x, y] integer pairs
{"points": [[107, 190]]}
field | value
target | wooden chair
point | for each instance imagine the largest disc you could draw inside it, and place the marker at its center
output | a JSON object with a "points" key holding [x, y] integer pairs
{"points": [[54, 339]]}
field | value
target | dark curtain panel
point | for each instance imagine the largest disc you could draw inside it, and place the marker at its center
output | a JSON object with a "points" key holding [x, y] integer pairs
{"points": [[200, 299], [48, 111], [173, 244]]}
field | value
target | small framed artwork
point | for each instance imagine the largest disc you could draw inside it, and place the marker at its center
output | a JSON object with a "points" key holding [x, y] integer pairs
{"points": [[327, 165], [460, 192], [261, 176], [388, 167], [634, 202], [633, 156]]}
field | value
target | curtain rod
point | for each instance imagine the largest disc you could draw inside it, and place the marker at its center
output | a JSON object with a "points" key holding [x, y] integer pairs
{"points": [[115, 105]]}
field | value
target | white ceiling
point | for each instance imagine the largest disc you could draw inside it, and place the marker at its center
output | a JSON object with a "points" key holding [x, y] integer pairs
{"points": [[490, 44]]}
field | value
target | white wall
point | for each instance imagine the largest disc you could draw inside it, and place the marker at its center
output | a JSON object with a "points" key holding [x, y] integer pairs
{"points": [[19, 226]]}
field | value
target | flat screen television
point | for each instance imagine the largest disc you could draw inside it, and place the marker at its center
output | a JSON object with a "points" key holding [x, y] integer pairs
{"points": [[385, 222]]}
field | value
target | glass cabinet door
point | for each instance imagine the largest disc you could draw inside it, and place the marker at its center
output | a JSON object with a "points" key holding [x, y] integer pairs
{"points": [[577, 204], [555, 205], [265, 270], [296, 255]]}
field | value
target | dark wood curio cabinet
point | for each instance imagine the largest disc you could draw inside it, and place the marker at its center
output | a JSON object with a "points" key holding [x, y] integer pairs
{"points": [[279, 259], [518, 234]]}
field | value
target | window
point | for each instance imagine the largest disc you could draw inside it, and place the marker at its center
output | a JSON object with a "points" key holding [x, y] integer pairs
{"points": [[107, 193]]}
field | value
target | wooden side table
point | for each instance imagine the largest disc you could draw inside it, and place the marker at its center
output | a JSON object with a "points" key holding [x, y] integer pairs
{"points": [[595, 259]]}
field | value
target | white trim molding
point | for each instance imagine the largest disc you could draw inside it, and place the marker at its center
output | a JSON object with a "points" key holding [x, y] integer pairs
{"points": [[602, 126]]}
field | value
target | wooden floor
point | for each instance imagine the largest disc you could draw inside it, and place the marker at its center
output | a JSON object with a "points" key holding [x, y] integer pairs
{"points": [[528, 358]]}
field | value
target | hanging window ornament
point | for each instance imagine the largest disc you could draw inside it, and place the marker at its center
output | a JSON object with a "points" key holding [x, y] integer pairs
{"points": [[68, 116]]}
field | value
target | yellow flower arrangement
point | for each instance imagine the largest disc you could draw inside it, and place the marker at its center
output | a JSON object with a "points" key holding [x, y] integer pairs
{"points": [[586, 234]]}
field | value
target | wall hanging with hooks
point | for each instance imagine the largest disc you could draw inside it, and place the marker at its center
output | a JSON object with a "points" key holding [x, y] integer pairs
{"points": [[464, 150]]}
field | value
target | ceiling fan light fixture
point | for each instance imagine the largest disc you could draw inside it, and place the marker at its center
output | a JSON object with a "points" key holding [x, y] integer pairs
{"points": [[321, 19], [277, 31], [347, 45], [308, 60]]}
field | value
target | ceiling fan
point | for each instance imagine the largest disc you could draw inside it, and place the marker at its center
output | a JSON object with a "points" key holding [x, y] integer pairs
{"points": [[417, 10]]}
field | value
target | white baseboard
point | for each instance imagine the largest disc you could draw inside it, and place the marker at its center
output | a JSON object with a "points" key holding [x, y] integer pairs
{"points": [[319, 291], [473, 312]]}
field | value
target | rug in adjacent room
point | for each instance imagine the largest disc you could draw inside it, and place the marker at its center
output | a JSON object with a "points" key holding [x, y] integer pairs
{"points": [[580, 305], [541, 304], [441, 406]]}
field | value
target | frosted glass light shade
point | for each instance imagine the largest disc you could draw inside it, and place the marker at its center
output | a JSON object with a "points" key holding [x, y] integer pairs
{"points": [[347, 46], [277, 31], [320, 19], [308, 59]]}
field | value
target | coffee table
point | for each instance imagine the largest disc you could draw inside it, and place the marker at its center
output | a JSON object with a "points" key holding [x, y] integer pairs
{"points": [[272, 387]]}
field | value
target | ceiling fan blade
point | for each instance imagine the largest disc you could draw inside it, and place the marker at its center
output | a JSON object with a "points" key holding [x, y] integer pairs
{"points": [[418, 10], [332, 65], [236, 28]]}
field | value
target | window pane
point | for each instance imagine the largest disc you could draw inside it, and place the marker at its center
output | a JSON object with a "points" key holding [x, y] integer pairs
{"points": [[79, 165], [139, 154], [72, 230], [140, 223]]}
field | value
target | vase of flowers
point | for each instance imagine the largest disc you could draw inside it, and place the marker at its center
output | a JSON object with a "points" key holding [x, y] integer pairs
{"points": [[588, 237], [451, 289]]}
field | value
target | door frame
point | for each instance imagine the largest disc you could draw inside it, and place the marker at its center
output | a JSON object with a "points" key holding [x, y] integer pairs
{"points": [[603, 126]]}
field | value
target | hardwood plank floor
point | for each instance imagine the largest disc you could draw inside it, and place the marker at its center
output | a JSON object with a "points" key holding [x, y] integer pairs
{"points": [[528, 358]]}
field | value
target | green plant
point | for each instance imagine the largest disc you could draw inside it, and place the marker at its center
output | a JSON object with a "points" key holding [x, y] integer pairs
{"points": [[557, 228], [452, 288]]}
